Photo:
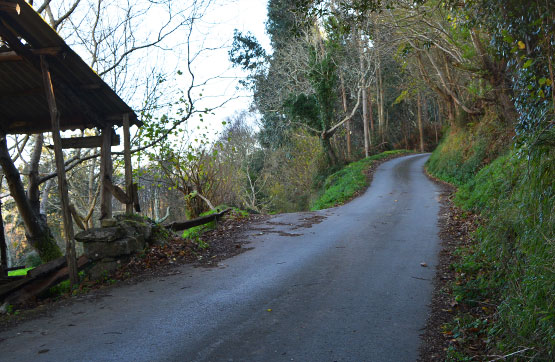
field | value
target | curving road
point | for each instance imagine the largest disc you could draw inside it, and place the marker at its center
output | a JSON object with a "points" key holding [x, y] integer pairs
{"points": [[343, 284]]}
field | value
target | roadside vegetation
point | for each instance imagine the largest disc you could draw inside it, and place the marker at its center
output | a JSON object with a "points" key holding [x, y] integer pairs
{"points": [[509, 268]]}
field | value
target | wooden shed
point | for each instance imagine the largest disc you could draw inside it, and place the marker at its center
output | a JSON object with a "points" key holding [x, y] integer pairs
{"points": [[46, 87]]}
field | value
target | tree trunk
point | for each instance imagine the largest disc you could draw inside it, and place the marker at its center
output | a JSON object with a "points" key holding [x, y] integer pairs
{"points": [[364, 96], [419, 118], [36, 230], [33, 192], [379, 100], [348, 123], [3, 246], [371, 114], [331, 158], [365, 122], [496, 75]]}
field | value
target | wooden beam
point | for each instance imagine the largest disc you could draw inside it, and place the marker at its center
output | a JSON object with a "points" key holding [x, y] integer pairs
{"points": [[32, 287], [86, 142], [13, 56], [183, 225], [136, 198], [127, 161], [62, 182], [106, 174], [76, 217], [10, 7], [118, 193]]}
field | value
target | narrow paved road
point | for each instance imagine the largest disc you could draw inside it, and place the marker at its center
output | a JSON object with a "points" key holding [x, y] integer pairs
{"points": [[343, 284]]}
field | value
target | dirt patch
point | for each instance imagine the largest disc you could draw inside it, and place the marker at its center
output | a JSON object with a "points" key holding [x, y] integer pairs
{"points": [[272, 231], [157, 261], [308, 222]]}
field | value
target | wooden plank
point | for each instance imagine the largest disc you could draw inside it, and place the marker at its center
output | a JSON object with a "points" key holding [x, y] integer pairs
{"points": [[47, 268], [76, 217], [8, 280], [8, 288], [60, 166], [183, 225], [127, 161], [10, 7], [82, 142], [106, 174], [136, 198], [118, 193], [86, 142], [12, 56], [39, 285]]}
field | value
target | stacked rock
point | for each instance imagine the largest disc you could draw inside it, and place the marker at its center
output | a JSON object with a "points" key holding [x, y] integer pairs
{"points": [[114, 243]]}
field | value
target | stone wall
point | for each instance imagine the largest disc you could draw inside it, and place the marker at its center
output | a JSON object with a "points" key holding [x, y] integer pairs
{"points": [[114, 243]]}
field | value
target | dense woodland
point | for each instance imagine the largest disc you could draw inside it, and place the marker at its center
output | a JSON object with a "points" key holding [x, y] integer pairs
{"points": [[343, 80]]}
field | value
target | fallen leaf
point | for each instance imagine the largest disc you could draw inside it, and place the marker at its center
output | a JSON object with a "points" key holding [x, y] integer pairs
{"points": [[268, 310]]}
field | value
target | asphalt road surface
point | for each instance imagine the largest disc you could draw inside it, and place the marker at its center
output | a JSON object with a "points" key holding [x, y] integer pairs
{"points": [[343, 284]]}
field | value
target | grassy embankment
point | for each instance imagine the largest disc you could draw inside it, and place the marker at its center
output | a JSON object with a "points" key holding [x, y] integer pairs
{"points": [[344, 184], [511, 264]]}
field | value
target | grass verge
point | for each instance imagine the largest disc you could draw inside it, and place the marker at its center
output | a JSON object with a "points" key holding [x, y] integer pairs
{"points": [[344, 184]]}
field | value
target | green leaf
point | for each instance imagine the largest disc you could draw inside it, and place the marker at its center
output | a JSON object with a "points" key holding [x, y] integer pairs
{"points": [[401, 97], [528, 63]]}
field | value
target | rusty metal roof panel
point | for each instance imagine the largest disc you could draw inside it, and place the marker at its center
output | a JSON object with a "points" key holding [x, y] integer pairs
{"points": [[84, 100]]}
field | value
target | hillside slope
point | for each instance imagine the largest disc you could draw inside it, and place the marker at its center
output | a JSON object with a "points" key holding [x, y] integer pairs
{"points": [[511, 264]]}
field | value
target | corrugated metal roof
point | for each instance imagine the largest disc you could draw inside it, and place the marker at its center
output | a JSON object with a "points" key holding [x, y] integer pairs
{"points": [[84, 100]]}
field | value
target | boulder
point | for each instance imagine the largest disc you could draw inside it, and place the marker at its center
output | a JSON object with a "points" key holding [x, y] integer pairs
{"points": [[122, 247], [101, 235], [103, 268], [139, 230], [106, 223], [141, 226]]}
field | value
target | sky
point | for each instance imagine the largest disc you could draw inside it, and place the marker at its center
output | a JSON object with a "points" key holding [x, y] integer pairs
{"points": [[213, 33], [217, 29]]}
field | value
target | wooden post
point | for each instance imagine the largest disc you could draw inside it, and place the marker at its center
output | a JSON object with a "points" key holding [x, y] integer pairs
{"points": [[62, 183], [127, 160], [3, 246], [106, 173]]}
